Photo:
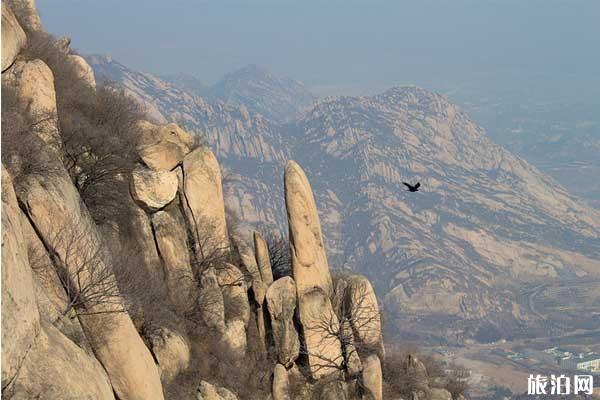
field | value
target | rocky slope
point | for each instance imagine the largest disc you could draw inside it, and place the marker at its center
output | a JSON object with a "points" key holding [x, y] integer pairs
{"points": [[477, 253], [162, 297]]}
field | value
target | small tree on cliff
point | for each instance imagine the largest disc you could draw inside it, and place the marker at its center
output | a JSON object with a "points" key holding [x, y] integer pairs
{"points": [[351, 312]]}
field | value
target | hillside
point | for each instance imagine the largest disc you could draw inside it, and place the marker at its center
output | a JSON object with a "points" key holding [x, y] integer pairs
{"points": [[481, 252], [125, 275]]}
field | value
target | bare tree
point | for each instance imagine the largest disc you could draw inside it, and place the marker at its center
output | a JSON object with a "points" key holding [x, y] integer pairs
{"points": [[279, 255], [353, 316], [82, 267]]}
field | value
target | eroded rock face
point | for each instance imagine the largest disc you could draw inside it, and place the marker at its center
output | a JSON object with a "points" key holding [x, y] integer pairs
{"points": [[281, 302], [171, 239], [233, 286], [13, 37], [311, 275], [83, 70], [163, 147], [211, 303], [143, 239], [261, 252], [56, 368], [111, 334], [172, 352], [234, 338], [203, 199], [280, 387], [207, 391], [309, 261], [27, 13], [33, 82], [153, 190], [20, 317], [372, 376], [318, 320], [363, 311]]}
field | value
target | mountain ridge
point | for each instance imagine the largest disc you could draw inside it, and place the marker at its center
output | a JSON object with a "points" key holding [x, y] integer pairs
{"points": [[485, 224]]}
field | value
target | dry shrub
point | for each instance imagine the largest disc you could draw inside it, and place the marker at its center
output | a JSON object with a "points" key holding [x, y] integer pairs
{"points": [[98, 128]]}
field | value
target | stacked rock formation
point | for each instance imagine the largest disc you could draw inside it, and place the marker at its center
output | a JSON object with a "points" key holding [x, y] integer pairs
{"points": [[58, 345]]}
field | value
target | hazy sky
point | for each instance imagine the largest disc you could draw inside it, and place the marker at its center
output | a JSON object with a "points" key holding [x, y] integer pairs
{"points": [[348, 43]]}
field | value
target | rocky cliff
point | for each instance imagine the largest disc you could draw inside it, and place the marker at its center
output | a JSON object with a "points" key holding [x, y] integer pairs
{"points": [[123, 274], [482, 251]]}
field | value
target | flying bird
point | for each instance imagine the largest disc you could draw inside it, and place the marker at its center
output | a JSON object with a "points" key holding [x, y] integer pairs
{"points": [[412, 188]]}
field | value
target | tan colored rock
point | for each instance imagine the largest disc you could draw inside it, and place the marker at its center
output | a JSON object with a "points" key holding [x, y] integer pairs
{"points": [[50, 295], [311, 275], [56, 368], [13, 37], [171, 239], [142, 238], [27, 13], [53, 205], [280, 388], [172, 352], [204, 201], [249, 263], [163, 147], [83, 70], [261, 253], [207, 391], [33, 82], [363, 311], [318, 321], [234, 338], [372, 377], [20, 316], [281, 302], [210, 302], [153, 190], [235, 297], [439, 394], [309, 261]]}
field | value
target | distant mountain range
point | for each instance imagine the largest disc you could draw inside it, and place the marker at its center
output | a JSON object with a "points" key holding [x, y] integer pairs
{"points": [[489, 248]]}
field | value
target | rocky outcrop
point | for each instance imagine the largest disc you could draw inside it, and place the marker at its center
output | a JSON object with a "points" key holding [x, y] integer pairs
{"points": [[207, 391], [33, 82], [153, 190], [56, 368], [141, 237], [172, 353], [204, 201], [319, 324], [261, 252], [27, 13], [163, 147], [110, 330], [280, 387], [281, 303], [235, 296], [234, 338], [363, 311], [171, 240], [13, 37], [20, 317], [210, 302], [372, 377], [311, 275], [309, 261], [83, 71]]}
